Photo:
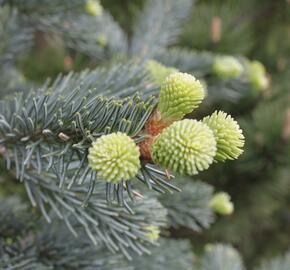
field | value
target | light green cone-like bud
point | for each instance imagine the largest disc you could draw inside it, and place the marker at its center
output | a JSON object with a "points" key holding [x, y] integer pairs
{"points": [[152, 233], [229, 136], [179, 95], [158, 71], [94, 8], [185, 147], [257, 75], [221, 203], [227, 67], [114, 157]]}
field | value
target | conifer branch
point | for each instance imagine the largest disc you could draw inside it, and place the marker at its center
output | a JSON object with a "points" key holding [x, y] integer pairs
{"points": [[171, 255], [189, 209], [185, 60], [109, 225], [159, 25], [201, 64], [26, 243], [14, 39], [278, 263], [221, 257], [51, 129], [97, 36]]}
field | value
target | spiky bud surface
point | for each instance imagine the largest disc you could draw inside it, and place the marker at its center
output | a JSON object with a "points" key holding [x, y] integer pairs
{"points": [[185, 147], [158, 71], [153, 233], [94, 8], [227, 67], [229, 136], [114, 157], [221, 203], [257, 75], [179, 95]]}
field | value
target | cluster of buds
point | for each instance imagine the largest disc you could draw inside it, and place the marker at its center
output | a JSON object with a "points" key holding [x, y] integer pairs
{"points": [[184, 146], [188, 146], [228, 67]]}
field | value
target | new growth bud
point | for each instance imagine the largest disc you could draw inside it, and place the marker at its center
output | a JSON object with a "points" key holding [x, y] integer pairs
{"points": [[185, 147], [158, 71], [229, 136], [221, 203], [152, 233], [94, 8], [114, 157], [227, 67], [257, 75], [179, 95]]}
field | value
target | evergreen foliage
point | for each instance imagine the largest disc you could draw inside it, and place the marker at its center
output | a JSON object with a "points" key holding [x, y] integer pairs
{"points": [[54, 135]]}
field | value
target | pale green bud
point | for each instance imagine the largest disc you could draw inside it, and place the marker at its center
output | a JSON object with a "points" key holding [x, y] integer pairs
{"points": [[257, 75], [179, 95], [221, 203], [185, 147], [227, 67], [94, 8], [229, 136], [102, 40], [153, 233], [158, 71], [114, 157]]}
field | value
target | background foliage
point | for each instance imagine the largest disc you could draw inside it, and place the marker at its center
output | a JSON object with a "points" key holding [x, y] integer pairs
{"points": [[259, 181]]}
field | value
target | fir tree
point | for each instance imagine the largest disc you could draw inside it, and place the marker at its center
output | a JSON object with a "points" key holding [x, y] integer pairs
{"points": [[91, 149]]}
